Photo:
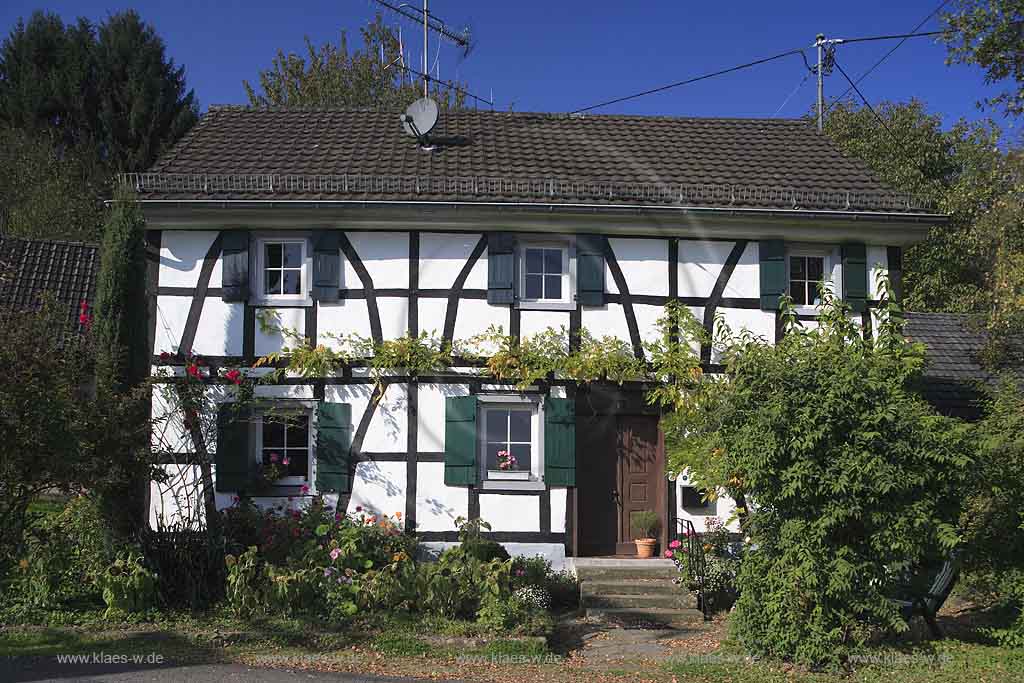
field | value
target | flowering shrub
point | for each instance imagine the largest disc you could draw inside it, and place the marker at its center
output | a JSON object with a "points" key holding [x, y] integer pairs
{"points": [[533, 597], [562, 587], [721, 564]]}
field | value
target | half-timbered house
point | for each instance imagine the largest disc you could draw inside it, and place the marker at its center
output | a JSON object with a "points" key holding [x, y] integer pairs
{"points": [[338, 222]]}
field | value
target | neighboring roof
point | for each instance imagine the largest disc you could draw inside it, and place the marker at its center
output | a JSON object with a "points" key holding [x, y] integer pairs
{"points": [[239, 153], [29, 269], [954, 376]]}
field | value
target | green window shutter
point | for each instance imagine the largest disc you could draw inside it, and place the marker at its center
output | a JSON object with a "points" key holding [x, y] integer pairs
{"points": [[460, 442], [326, 266], [235, 460], [590, 270], [500, 268], [560, 441], [773, 273], [333, 445], [855, 276], [235, 265]]}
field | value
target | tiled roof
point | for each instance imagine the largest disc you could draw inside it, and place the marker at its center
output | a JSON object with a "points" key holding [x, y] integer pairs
{"points": [[31, 268], [490, 156]]}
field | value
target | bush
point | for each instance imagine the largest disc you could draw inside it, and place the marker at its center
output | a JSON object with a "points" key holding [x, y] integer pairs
{"points": [[722, 558], [190, 564], [472, 541], [854, 477], [127, 585], [562, 587]]}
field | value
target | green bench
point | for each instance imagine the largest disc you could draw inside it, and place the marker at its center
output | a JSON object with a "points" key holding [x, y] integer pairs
{"points": [[926, 592]]}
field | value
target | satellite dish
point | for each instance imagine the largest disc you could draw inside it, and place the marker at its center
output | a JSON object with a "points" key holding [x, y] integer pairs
{"points": [[420, 118]]}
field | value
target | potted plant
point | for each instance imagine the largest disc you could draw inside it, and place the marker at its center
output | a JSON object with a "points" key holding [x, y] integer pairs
{"points": [[646, 524]]}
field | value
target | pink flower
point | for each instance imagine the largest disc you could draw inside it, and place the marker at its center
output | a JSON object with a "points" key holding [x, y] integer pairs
{"points": [[286, 460], [674, 544], [520, 572], [234, 375], [335, 553], [359, 508], [192, 369], [668, 554], [165, 356], [337, 517], [274, 457], [236, 500], [304, 489]]}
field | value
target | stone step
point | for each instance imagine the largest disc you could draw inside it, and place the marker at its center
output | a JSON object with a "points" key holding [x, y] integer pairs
{"points": [[631, 587], [648, 616], [631, 573], [680, 600]]}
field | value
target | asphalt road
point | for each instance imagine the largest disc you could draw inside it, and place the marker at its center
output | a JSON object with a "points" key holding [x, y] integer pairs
{"points": [[42, 669]]}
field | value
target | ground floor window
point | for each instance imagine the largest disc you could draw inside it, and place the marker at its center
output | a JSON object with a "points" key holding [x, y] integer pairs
{"points": [[285, 440], [510, 438]]}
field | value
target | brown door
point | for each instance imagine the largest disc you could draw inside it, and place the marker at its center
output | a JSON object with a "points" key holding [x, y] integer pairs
{"points": [[640, 476], [620, 469]]}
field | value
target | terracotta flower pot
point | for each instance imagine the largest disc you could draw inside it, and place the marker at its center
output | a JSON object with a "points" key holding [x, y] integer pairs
{"points": [[645, 547]]}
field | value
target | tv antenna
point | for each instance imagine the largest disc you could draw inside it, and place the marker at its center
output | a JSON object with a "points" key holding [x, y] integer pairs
{"points": [[430, 23]]}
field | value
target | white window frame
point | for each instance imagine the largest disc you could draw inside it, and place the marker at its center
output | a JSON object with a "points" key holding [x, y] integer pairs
{"points": [[306, 271], [831, 266], [499, 479], [299, 408], [567, 301]]}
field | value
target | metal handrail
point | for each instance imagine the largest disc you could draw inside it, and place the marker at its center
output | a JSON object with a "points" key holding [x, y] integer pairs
{"points": [[696, 563]]}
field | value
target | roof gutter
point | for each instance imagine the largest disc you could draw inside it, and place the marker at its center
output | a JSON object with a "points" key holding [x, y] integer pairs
{"points": [[562, 207]]}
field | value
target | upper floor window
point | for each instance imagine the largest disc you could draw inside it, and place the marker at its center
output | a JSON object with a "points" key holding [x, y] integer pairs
{"points": [[806, 273], [282, 269], [545, 274]]}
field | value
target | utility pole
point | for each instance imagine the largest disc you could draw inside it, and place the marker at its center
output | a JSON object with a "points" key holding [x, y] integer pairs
{"points": [[819, 41], [426, 72]]}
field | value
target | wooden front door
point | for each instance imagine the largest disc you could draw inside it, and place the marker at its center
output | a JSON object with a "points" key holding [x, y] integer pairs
{"points": [[620, 469], [640, 476]]}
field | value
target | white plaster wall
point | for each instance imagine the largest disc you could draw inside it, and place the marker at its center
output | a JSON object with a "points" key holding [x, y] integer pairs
{"points": [[291, 318], [510, 513], [181, 257], [284, 391], [176, 500], [341, 319], [700, 264], [394, 316], [608, 320], [385, 256], [474, 317], [437, 505], [432, 314], [171, 314], [442, 256], [558, 498], [220, 328], [760, 323], [378, 488], [430, 414], [387, 430], [535, 322], [644, 264], [552, 552]]}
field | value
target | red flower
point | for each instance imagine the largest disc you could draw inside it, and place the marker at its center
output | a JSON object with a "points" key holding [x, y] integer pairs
{"points": [[234, 376], [165, 356], [86, 320], [192, 370]]}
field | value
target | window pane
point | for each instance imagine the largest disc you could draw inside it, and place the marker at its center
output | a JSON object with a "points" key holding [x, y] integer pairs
{"points": [[272, 282], [273, 434], [553, 261], [534, 261], [292, 255], [521, 452], [273, 255], [552, 286], [497, 425], [491, 451], [798, 291], [796, 268], [519, 425], [292, 282], [533, 286], [298, 432], [815, 268], [298, 462]]}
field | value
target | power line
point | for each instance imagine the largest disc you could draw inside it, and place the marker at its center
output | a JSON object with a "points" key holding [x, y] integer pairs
{"points": [[885, 56], [794, 92], [893, 37], [695, 79], [867, 104], [444, 84]]}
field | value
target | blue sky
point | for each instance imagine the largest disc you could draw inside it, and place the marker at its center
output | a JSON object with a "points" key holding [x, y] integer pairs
{"points": [[564, 55]]}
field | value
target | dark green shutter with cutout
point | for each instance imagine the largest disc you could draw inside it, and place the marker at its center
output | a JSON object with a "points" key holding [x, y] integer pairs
{"points": [[326, 265], [590, 270], [235, 265], [460, 442], [333, 445], [235, 459], [855, 276], [560, 441], [500, 268], [773, 273]]}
